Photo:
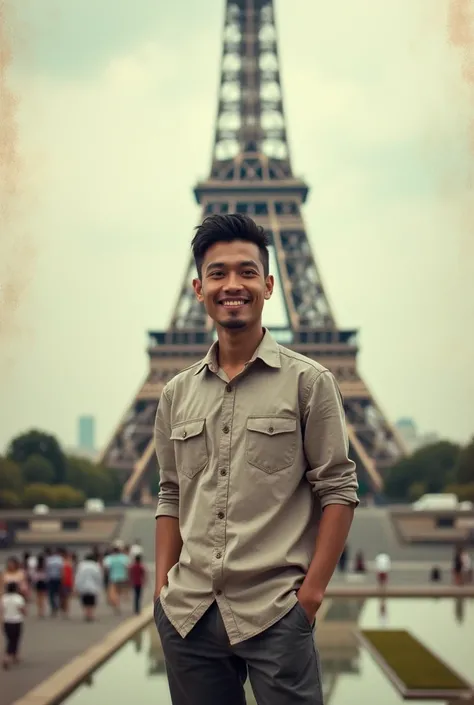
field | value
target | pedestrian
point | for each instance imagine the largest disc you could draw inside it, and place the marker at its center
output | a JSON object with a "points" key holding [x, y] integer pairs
{"points": [[458, 566], [360, 567], [383, 565], [466, 567], [40, 584], [136, 549], [343, 560], [257, 493], [117, 564], [13, 610], [137, 574], [29, 565], [67, 583], [54, 572], [88, 585], [15, 573]]}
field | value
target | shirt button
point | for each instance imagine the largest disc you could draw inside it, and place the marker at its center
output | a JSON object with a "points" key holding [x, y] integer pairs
{"points": [[226, 429], [270, 429], [223, 472], [218, 592], [228, 388], [184, 434], [220, 515], [219, 555]]}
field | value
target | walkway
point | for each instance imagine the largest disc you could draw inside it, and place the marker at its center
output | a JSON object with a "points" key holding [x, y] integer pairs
{"points": [[50, 644]]}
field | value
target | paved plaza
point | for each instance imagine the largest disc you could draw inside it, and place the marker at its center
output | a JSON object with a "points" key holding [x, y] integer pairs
{"points": [[50, 644]]}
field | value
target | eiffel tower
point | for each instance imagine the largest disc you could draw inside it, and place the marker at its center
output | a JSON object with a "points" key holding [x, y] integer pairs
{"points": [[251, 172]]}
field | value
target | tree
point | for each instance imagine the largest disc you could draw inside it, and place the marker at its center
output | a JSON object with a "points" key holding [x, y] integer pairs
{"points": [[39, 493], [37, 469], [36, 442], [94, 480], [465, 493], [11, 479], [432, 465], [464, 469], [416, 490], [66, 496], [9, 500]]}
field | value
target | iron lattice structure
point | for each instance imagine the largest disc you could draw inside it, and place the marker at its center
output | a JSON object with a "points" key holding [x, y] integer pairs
{"points": [[251, 172]]}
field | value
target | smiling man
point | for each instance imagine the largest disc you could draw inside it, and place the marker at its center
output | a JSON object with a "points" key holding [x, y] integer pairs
{"points": [[257, 493]]}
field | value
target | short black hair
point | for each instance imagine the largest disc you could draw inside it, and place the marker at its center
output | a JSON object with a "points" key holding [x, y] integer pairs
{"points": [[227, 228]]}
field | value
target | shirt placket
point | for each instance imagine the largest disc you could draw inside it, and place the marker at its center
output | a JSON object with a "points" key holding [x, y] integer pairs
{"points": [[221, 503]]}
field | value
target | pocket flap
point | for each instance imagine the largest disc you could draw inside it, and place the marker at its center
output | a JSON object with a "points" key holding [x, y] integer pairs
{"points": [[271, 425], [188, 429]]}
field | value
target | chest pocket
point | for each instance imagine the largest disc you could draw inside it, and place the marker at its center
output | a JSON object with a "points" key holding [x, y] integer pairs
{"points": [[271, 442], [190, 446]]}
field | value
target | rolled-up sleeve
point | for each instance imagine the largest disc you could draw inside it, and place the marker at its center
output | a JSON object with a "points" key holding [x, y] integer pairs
{"points": [[168, 498], [331, 473]]}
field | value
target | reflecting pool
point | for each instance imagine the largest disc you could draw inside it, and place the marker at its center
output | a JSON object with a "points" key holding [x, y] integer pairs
{"points": [[136, 672]]}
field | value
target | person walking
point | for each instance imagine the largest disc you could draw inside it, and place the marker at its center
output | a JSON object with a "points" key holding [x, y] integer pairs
{"points": [[14, 573], [137, 574], [136, 549], [54, 573], [13, 610], [40, 585], [257, 493], [117, 564], [383, 566], [67, 583], [88, 585]]}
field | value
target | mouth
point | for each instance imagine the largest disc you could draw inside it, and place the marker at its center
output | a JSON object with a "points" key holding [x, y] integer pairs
{"points": [[233, 304]]}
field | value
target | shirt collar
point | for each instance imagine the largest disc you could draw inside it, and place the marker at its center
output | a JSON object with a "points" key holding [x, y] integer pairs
{"points": [[267, 351]]}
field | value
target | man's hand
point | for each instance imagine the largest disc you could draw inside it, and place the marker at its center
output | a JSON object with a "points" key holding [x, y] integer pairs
{"points": [[158, 588], [310, 600]]}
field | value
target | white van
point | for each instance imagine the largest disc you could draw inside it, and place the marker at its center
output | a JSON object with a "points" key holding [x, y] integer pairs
{"points": [[441, 500]]}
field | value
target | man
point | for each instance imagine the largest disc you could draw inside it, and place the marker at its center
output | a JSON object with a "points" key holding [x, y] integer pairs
{"points": [[256, 493], [54, 574]]}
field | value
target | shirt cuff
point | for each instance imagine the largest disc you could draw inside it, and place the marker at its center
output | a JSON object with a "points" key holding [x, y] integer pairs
{"points": [[167, 509], [346, 498]]}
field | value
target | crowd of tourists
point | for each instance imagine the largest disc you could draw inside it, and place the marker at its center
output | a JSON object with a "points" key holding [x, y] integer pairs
{"points": [[50, 579]]}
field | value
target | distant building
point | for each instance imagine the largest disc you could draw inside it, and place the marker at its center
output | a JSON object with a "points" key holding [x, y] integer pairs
{"points": [[413, 439], [86, 440], [408, 431]]}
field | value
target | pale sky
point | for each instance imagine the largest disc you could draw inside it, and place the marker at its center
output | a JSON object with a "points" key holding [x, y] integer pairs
{"points": [[115, 103]]}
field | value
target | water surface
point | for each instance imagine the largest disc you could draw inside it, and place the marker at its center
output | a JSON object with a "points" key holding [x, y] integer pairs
{"points": [[136, 673]]}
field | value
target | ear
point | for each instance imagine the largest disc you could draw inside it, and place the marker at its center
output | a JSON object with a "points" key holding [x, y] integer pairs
{"points": [[197, 286], [269, 284]]}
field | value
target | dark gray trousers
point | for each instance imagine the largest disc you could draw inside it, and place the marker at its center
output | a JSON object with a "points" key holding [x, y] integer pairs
{"points": [[204, 669]]}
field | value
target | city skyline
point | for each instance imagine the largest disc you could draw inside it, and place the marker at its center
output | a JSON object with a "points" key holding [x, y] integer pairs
{"points": [[383, 146]]}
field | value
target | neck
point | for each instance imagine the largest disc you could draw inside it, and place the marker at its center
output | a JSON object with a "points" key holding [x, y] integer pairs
{"points": [[236, 347]]}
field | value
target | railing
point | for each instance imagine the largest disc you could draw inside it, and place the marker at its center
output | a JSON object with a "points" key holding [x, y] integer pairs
{"points": [[302, 336]]}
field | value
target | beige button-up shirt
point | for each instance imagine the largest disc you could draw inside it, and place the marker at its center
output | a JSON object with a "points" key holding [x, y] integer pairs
{"points": [[247, 465]]}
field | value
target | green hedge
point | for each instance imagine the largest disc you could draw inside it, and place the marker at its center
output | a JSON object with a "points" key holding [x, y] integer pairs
{"points": [[415, 666]]}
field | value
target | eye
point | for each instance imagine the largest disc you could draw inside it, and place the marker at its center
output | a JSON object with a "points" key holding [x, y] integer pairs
{"points": [[249, 272], [216, 274]]}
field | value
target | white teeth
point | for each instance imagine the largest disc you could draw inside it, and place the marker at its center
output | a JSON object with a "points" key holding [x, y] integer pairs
{"points": [[234, 302]]}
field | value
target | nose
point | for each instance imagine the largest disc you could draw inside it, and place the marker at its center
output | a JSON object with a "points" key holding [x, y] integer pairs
{"points": [[233, 283]]}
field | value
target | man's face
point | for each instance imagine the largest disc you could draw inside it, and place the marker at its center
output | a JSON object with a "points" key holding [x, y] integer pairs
{"points": [[232, 285]]}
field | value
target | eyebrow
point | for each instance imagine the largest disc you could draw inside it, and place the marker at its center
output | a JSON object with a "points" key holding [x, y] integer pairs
{"points": [[222, 265]]}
